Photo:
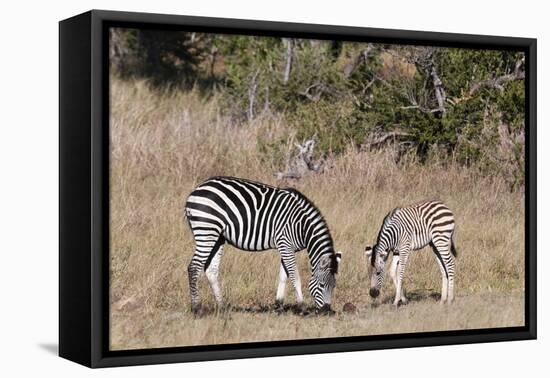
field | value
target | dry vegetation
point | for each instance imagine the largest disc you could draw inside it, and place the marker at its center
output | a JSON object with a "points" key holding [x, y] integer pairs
{"points": [[164, 144]]}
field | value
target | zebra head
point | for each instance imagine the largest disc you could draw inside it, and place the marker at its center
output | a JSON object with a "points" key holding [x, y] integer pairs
{"points": [[377, 261], [323, 280]]}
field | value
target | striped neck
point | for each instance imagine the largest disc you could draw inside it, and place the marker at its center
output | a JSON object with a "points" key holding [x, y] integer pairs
{"points": [[318, 240], [388, 234], [315, 234]]}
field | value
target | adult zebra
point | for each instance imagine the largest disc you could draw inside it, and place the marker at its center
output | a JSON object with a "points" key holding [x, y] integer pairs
{"points": [[256, 217], [411, 228]]}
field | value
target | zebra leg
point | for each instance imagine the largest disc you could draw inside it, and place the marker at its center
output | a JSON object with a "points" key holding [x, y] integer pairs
{"points": [[289, 261], [447, 265], [281, 287], [393, 274], [193, 271], [444, 280], [207, 246], [403, 257], [212, 274], [298, 287], [451, 284]]}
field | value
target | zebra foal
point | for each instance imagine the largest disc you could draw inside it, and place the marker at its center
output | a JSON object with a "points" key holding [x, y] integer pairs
{"points": [[253, 216], [407, 229]]}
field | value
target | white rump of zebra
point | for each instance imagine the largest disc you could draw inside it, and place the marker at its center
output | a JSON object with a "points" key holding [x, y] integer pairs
{"points": [[406, 229], [256, 217]]}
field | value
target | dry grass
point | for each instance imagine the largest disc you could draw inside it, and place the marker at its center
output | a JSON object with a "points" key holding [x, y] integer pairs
{"points": [[164, 144]]}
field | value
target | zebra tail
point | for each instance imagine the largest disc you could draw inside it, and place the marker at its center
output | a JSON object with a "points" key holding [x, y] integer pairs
{"points": [[453, 248], [186, 215]]}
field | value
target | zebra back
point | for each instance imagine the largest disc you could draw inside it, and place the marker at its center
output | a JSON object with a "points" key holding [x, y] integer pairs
{"points": [[252, 214], [419, 222]]}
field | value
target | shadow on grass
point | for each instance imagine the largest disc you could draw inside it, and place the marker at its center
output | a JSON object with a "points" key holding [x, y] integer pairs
{"points": [[294, 309], [422, 295], [278, 309], [412, 296]]}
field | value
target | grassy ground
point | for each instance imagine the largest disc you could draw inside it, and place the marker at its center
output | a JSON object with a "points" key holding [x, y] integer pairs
{"points": [[164, 144]]}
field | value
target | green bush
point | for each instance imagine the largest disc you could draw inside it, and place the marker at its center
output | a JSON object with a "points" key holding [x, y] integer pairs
{"points": [[463, 105]]}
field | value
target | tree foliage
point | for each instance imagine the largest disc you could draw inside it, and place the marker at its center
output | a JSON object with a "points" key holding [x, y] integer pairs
{"points": [[464, 105]]}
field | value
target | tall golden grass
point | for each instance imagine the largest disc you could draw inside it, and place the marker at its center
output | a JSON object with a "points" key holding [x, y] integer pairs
{"points": [[163, 143]]}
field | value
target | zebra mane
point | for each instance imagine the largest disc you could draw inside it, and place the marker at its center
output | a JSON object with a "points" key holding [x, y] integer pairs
{"points": [[333, 260], [242, 180], [387, 219]]}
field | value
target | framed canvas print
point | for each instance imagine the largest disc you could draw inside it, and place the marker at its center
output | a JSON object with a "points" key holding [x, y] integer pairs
{"points": [[233, 188]]}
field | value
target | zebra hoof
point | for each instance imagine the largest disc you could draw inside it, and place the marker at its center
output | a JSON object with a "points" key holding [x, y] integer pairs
{"points": [[401, 302], [325, 310], [197, 310], [299, 309], [222, 308], [374, 292], [278, 305]]}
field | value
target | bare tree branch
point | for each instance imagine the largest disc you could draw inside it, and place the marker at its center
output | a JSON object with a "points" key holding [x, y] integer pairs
{"points": [[494, 83], [421, 108], [424, 61], [318, 88], [303, 163], [498, 82], [385, 137], [315, 97], [368, 85], [359, 59]]}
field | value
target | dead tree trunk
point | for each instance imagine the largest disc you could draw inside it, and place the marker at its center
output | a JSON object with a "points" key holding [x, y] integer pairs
{"points": [[439, 90], [303, 163], [289, 53], [116, 49], [266, 100], [252, 88]]}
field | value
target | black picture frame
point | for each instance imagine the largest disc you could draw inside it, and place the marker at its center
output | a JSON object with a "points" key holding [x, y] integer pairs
{"points": [[84, 195]]}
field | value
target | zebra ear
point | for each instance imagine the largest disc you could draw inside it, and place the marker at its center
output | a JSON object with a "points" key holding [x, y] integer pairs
{"points": [[338, 257], [368, 251]]}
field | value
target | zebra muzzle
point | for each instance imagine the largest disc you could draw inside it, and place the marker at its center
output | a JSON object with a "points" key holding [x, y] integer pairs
{"points": [[325, 310], [374, 292]]}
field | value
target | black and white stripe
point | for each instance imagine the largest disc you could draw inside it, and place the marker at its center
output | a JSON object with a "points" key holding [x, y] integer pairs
{"points": [[407, 229], [256, 217]]}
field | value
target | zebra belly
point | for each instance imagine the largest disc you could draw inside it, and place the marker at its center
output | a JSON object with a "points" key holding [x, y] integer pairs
{"points": [[245, 246], [420, 240], [248, 249]]}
